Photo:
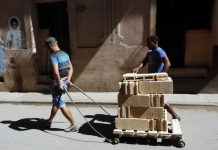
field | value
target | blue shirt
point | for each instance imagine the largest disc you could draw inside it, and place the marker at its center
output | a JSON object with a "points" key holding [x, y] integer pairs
{"points": [[154, 60], [62, 59]]}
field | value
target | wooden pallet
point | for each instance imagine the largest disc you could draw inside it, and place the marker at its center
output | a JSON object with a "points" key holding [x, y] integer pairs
{"points": [[148, 77], [174, 132]]}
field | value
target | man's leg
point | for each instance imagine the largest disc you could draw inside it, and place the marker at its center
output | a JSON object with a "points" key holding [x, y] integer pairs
{"points": [[66, 112], [54, 111], [172, 112]]}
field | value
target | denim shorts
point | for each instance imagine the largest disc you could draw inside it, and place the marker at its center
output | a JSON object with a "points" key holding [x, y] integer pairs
{"points": [[58, 94]]}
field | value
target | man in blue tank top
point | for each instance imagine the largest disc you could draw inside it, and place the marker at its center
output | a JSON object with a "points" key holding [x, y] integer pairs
{"points": [[157, 61], [61, 71]]}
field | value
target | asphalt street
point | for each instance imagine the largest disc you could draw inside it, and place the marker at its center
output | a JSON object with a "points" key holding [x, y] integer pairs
{"points": [[20, 128]]}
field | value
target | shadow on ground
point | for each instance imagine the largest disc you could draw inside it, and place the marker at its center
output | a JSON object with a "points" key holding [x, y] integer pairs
{"points": [[28, 124], [104, 124]]}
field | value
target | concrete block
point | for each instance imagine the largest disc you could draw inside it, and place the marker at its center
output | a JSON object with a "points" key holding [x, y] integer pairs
{"points": [[144, 87], [132, 124], [158, 125], [130, 88], [134, 100], [164, 87], [123, 112], [164, 125], [151, 100], [145, 100], [165, 114], [147, 112], [142, 112], [155, 100], [162, 102], [161, 125], [136, 88], [152, 125], [141, 124], [118, 112], [123, 88], [128, 112]]}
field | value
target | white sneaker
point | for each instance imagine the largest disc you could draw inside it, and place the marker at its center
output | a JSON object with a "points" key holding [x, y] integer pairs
{"points": [[71, 128]]}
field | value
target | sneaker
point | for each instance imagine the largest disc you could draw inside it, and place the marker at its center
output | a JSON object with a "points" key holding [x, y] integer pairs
{"points": [[71, 128]]}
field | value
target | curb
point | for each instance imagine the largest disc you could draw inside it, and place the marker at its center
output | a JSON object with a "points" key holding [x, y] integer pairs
{"points": [[102, 103], [103, 98]]}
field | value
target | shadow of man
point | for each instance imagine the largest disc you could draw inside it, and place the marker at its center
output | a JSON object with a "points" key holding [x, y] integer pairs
{"points": [[104, 124], [28, 123]]}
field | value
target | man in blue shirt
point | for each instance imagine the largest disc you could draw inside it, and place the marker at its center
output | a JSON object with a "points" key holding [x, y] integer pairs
{"points": [[156, 58], [157, 61], [61, 71]]}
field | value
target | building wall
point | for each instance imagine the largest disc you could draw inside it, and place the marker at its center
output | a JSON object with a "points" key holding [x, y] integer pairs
{"points": [[108, 42], [107, 39], [13, 9], [19, 59]]}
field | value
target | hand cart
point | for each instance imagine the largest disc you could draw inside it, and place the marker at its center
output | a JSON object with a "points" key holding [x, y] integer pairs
{"points": [[174, 133]]}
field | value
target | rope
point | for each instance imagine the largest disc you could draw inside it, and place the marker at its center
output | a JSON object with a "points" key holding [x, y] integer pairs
{"points": [[85, 118], [89, 97]]}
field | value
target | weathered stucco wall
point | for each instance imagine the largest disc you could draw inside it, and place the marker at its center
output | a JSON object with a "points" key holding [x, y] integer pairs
{"points": [[102, 69], [118, 43], [20, 71], [107, 39], [9, 8]]}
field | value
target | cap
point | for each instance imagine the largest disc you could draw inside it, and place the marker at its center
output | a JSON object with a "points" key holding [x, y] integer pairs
{"points": [[50, 40]]}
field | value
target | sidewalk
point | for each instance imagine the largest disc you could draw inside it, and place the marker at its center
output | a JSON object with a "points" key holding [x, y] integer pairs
{"points": [[104, 98]]}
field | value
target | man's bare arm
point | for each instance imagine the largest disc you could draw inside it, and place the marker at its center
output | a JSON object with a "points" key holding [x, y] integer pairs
{"points": [[167, 64], [70, 71], [57, 75], [141, 65]]}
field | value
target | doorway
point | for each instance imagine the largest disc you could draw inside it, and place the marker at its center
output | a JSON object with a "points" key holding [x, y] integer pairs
{"points": [[171, 30], [174, 19], [52, 21], [54, 18]]}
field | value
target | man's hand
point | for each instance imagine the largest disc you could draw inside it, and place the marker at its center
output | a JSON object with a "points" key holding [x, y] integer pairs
{"points": [[136, 70], [61, 87], [65, 86], [69, 83]]}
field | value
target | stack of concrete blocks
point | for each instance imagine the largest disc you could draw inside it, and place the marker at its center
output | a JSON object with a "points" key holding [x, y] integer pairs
{"points": [[141, 102]]}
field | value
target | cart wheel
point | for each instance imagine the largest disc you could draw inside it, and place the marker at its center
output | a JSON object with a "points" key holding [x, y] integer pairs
{"points": [[116, 141], [181, 144]]}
